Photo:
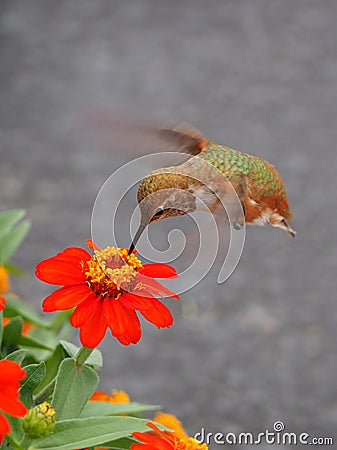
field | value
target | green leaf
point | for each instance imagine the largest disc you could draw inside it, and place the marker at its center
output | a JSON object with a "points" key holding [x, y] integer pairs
{"points": [[74, 385], [119, 444], [14, 270], [34, 375], [52, 365], [16, 307], [43, 335], [89, 432], [93, 409], [11, 240], [9, 218], [95, 359], [18, 355], [16, 428], [12, 335]]}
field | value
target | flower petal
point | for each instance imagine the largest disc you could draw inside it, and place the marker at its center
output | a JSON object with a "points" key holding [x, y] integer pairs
{"points": [[11, 373], [4, 427], [158, 271], [65, 268], [10, 404], [158, 314], [123, 323], [156, 288], [134, 301], [84, 311], [2, 303], [156, 439], [66, 298], [77, 252], [94, 329], [116, 316], [150, 443], [91, 244]]}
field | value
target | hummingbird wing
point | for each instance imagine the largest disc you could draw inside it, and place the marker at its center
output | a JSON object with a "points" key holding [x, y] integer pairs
{"points": [[184, 136], [125, 133]]}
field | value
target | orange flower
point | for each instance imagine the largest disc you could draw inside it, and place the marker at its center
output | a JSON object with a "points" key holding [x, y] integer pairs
{"points": [[171, 421], [164, 440], [10, 375], [107, 289], [4, 280], [116, 397]]}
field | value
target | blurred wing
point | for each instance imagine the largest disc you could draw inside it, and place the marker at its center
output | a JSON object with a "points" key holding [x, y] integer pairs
{"points": [[120, 132], [187, 138]]}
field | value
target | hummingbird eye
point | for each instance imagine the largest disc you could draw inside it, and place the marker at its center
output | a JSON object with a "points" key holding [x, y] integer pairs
{"points": [[159, 211]]}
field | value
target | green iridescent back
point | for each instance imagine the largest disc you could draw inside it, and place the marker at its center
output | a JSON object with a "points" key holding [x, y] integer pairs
{"points": [[264, 180]]}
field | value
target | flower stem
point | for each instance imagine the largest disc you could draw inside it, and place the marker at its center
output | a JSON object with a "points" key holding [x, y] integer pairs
{"points": [[25, 443], [83, 355], [46, 392], [16, 445]]}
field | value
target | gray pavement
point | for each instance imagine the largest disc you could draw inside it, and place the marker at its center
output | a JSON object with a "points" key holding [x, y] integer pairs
{"points": [[257, 75]]}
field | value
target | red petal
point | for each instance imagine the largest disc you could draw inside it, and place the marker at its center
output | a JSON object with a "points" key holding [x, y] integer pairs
{"points": [[158, 314], [133, 332], [66, 298], [2, 303], [84, 311], [158, 271], [11, 373], [94, 329], [65, 268], [156, 288], [10, 404], [134, 301], [156, 439], [91, 244], [115, 314], [151, 443], [123, 323], [77, 252], [4, 427]]}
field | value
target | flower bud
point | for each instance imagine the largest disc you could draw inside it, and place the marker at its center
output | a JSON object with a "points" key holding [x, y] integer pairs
{"points": [[39, 421]]}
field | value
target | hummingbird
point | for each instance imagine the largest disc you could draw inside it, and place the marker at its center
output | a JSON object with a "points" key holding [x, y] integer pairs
{"points": [[208, 179]]}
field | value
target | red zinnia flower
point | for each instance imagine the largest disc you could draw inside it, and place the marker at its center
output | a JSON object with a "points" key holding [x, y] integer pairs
{"points": [[2, 303], [10, 375], [107, 289], [164, 440]]}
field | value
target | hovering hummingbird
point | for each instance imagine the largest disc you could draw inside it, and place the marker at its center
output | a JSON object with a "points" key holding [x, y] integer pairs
{"points": [[206, 181]]}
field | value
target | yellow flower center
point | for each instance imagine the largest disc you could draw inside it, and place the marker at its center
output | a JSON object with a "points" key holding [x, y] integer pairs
{"points": [[4, 280], [112, 270]]}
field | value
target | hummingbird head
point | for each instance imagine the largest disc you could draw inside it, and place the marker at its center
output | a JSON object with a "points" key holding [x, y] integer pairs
{"points": [[161, 194]]}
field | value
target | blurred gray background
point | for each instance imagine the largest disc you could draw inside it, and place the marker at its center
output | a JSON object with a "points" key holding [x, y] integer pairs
{"points": [[257, 75]]}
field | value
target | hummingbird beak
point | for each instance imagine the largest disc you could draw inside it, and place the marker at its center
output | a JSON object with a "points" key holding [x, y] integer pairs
{"points": [[139, 232]]}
